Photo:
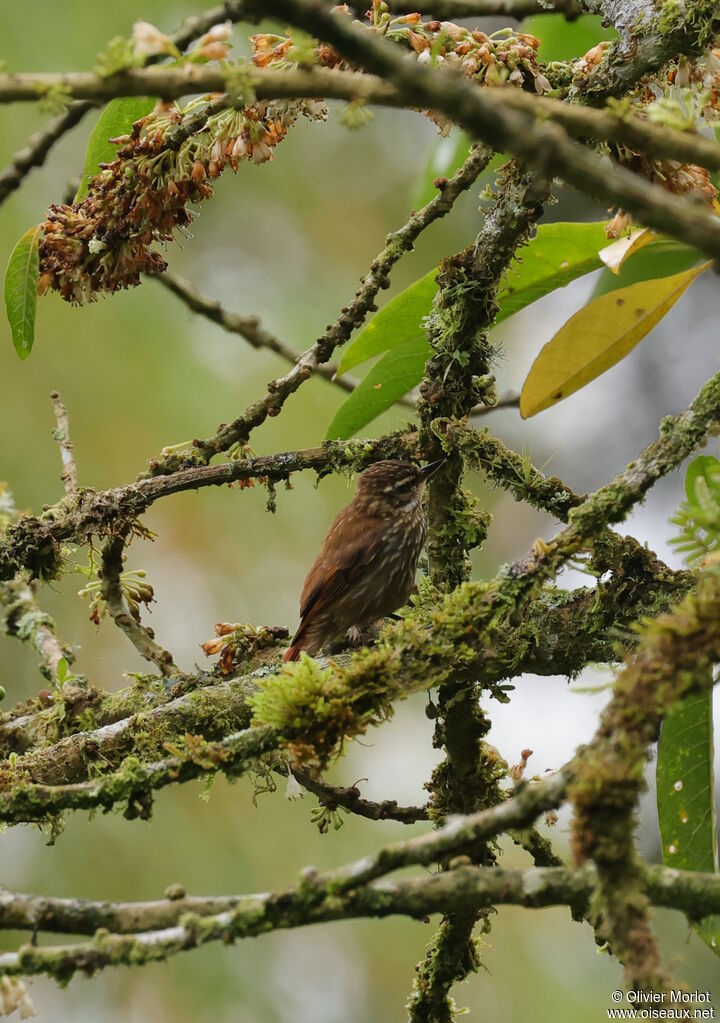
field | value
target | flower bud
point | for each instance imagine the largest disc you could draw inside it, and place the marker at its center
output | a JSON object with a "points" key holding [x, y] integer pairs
{"points": [[148, 40]]}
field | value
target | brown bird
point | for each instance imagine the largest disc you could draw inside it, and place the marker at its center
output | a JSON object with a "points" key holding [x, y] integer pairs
{"points": [[366, 566]]}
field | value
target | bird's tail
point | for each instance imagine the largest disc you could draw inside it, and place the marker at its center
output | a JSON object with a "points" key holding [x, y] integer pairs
{"points": [[293, 652]]}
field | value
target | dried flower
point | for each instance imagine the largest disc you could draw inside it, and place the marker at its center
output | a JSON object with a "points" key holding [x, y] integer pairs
{"points": [[217, 34], [14, 995], [212, 51]]}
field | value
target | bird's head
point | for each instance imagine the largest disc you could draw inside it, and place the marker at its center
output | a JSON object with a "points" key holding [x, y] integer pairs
{"points": [[394, 483]]}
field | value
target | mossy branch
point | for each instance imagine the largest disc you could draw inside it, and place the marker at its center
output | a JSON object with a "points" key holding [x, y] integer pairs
{"points": [[676, 654], [544, 149], [134, 934]]}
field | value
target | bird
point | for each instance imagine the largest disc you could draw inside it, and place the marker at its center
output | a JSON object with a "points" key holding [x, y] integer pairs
{"points": [[367, 562]]}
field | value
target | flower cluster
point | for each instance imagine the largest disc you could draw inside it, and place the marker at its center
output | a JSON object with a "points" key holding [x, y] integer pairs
{"points": [[241, 646], [688, 101], [104, 242], [503, 57]]}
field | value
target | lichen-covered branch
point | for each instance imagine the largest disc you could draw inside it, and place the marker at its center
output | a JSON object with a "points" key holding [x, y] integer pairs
{"points": [[675, 660], [457, 375], [62, 436], [140, 933], [34, 542], [651, 34], [515, 473], [141, 637], [397, 244], [106, 728], [135, 781], [545, 149], [560, 633]]}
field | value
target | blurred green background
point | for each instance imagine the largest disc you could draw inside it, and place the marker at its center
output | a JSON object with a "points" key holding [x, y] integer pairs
{"points": [[288, 241]]}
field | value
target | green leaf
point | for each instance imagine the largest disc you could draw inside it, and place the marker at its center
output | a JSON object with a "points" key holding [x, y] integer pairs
{"points": [[117, 118], [599, 335], [62, 669], [397, 324], [685, 798], [557, 255], [561, 39], [393, 376], [699, 516], [707, 468], [661, 258], [21, 286]]}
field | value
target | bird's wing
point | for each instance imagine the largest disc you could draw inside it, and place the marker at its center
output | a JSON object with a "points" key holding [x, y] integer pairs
{"points": [[339, 564]]}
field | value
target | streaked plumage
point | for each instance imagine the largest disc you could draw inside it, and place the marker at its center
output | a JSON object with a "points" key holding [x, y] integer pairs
{"points": [[367, 562]]}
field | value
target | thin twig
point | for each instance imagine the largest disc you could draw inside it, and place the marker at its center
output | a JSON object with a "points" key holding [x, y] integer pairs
{"points": [[247, 327], [506, 105], [62, 436], [34, 153], [141, 637], [397, 244], [350, 799]]}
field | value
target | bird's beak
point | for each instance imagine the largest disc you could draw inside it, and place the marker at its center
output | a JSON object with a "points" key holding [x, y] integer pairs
{"points": [[432, 467]]}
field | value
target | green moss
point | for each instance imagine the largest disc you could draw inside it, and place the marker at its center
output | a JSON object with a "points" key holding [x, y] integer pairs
{"points": [[698, 19]]}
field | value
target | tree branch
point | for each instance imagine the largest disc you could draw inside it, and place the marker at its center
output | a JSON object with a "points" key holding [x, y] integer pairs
{"points": [[139, 933], [141, 637], [134, 782], [580, 121], [397, 244], [40, 144], [457, 375], [35, 152], [350, 799], [650, 35], [62, 436], [34, 542], [544, 149]]}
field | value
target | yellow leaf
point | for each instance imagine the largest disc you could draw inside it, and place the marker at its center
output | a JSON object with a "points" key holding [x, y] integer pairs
{"points": [[599, 335], [615, 254]]}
